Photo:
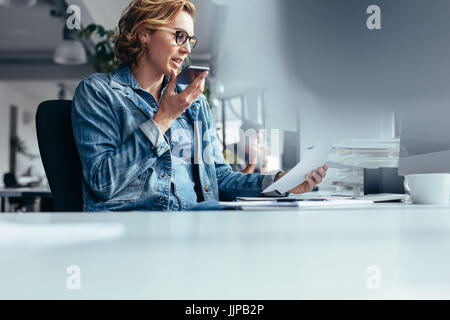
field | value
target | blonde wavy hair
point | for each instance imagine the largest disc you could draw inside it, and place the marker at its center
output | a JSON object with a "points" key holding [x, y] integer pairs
{"points": [[145, 14]]}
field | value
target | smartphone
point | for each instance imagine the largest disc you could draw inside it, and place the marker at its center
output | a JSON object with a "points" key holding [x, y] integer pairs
{"points": [[190, 73]]}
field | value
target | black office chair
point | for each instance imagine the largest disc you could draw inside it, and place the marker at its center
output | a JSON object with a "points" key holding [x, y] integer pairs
{"points": [[19, 203], [59, 154], [10, 181]]}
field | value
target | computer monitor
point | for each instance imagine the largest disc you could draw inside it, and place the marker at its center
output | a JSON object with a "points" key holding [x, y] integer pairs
{"points": [[425, 141]]}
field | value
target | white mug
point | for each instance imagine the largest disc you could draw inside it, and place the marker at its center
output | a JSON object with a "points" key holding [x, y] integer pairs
{"points": [[429, 188]]}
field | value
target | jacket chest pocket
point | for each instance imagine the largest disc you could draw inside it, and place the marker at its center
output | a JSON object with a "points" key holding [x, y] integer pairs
{"points": [[133, 190], [129, 121]]}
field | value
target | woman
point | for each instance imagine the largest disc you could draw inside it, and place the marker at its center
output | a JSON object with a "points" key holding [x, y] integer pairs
{"points": [[249, 154], [146, 143]]}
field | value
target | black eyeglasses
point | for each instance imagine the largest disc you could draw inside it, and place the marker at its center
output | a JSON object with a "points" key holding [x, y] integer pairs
{"points": [[181, 37]]}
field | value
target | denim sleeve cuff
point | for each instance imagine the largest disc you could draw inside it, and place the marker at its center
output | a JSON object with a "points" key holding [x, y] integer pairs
{"points": [[267, 181], [151, 130]]}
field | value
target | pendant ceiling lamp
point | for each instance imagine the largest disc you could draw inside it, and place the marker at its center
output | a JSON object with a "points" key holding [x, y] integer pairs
{"points": [[70, 51], [18, 3]]}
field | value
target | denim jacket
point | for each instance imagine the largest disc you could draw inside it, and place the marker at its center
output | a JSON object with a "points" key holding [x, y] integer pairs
{"points": [[126, 159]]}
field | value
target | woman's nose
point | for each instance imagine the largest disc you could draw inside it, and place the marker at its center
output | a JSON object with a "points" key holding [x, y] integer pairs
{"points": [[186, 47]]}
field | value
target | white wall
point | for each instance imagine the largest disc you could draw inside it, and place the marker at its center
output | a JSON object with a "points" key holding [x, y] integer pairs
{"points": [[251, 57], [339, 120], [103, 12], [253, 53], [25, 131], [4, 132]]}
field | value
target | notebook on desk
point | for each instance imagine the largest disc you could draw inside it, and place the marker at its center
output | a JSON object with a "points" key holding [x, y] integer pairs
{"points": [[375, 198], [292, 197], [295, 203]]}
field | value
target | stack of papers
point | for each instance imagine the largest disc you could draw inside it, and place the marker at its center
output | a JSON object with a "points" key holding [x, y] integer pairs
{"points": [[314, 200], [299, 197], [259, 204], [292, 203]]}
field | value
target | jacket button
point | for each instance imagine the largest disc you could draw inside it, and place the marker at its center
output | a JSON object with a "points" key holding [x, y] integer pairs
{"points": [[206, 188], [193, 106], [160, 199], [163, 176]]}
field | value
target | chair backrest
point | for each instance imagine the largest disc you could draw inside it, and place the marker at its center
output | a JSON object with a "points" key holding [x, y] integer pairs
{"points": [[59, 154]]}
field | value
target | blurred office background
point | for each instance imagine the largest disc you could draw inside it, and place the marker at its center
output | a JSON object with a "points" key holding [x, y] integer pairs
{"points": [[310, 68]]}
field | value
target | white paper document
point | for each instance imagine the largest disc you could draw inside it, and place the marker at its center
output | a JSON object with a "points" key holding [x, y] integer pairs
{"points": [[259, 204], [246, 205], [313, 159]]}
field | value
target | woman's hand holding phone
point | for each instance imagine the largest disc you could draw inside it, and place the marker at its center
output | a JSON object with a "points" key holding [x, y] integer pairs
{"points": [[174, 104]]}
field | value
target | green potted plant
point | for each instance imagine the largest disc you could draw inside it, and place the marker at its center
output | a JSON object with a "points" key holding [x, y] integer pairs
{"points": [[103, 59]]}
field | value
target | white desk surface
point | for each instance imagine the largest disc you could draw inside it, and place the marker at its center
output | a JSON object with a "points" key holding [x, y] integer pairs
{"points": [[311, 253]]}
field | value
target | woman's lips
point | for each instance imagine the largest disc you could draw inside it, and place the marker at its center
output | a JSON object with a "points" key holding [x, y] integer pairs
{"points": [[177, 62]]}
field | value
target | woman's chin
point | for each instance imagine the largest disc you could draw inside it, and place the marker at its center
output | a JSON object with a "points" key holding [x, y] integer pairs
{"points": [[168, 71]]}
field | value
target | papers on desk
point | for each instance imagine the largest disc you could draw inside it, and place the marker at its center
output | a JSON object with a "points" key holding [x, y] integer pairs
{"points": [[316, 200], [260, 204], [292, 203], [302, 197], [313, 159], [14, 237]]}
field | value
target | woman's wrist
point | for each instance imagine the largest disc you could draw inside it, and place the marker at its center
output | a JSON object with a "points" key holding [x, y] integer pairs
{"points": [[250, 168], [162, 122]]}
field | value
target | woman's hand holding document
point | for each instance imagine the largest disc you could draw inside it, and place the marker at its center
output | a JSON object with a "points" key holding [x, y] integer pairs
{"points": [[308, 173]]}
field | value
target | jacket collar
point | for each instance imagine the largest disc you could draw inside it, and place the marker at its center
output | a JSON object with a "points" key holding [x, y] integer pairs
{"points": [[123, 76]]}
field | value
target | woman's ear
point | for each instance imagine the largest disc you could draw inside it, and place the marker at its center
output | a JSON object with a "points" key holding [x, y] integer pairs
{"points": [[144, 36]]}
